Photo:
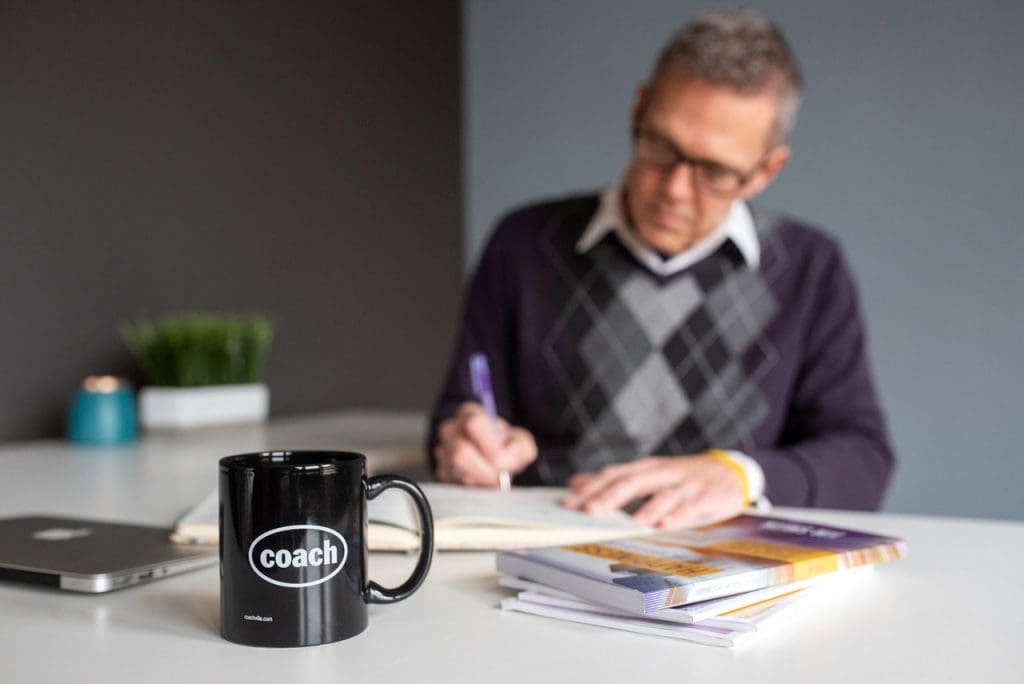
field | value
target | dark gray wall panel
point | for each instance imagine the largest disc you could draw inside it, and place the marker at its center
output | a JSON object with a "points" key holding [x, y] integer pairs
{"points": [[299, 158]]}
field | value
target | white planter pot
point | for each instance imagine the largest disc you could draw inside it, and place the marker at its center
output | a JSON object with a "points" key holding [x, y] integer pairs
{"points": [[183, 408]]}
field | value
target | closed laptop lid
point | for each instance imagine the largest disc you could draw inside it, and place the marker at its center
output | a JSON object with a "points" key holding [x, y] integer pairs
{"points": [[91, 555]]}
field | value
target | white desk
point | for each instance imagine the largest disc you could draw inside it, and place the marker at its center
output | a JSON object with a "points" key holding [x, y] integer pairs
{"points": [[952, 612], [156, 479]]}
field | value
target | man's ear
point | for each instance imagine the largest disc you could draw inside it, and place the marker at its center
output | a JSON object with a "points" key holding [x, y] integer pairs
{"points": [[767, 171]]}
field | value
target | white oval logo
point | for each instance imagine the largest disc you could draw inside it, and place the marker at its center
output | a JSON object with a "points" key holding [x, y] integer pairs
{"points": [[304, 555]]}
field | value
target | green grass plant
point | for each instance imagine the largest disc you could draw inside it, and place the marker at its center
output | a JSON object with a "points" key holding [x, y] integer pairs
{"points": [[196, 349]]}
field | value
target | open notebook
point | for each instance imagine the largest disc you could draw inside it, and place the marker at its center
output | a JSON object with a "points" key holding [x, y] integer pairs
{"points": [[464, 519]]}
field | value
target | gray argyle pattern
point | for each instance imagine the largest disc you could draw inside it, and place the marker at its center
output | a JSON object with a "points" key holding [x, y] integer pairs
{"points": [[654, 365]]}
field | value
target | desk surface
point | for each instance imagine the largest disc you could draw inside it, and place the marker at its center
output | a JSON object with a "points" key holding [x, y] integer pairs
{"points": [[158, 478], [953, 611]]}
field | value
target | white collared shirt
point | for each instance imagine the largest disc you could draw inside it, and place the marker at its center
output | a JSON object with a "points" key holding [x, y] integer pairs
{"points": [[738, 226]]}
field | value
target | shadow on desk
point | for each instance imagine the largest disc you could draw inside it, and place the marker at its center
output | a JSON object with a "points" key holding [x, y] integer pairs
{"points": [[184, 611]]}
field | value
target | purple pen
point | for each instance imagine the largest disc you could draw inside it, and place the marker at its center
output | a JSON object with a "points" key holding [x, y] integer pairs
{"points": [[480, 377]]}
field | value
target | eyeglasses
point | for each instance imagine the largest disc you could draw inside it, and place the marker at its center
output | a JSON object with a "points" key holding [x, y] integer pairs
{"points": [[658, 151]]}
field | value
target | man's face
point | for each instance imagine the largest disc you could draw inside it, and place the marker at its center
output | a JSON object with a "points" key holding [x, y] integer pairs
{"points": [[667, 209]]}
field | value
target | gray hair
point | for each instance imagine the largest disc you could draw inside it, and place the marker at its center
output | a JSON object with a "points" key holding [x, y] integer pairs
{"points": [[744, 51]]}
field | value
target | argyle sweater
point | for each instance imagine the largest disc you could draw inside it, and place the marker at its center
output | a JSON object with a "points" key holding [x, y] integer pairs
{"points": [[604, 361]]}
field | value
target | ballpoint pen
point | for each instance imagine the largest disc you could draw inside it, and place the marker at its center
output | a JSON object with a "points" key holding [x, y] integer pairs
{"points": [[480, 377]]}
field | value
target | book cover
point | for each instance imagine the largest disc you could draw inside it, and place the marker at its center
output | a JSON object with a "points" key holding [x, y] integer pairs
{"points": [[720, 612], [723, 632], [654, 572], [711, 636]]}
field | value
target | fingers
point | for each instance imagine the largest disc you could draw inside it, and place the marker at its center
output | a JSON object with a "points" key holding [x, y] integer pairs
{"points": [[586, 485], [715, 493], [684, 506], [473, 448], [459, 455], [703, 508], [579, 481], [614, 486], [518, 451], [459, 462], [669, 502], [484, 432], [683, 490]]}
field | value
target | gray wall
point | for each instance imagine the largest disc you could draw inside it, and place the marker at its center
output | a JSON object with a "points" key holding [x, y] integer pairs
{"points": [[297, 158], [908, 150]]}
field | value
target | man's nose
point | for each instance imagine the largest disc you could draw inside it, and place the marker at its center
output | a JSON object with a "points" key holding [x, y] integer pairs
{"points": [[679, 181]]}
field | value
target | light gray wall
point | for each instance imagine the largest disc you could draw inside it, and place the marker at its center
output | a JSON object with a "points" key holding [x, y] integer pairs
{"points": [[300, 158], [909, 150]]}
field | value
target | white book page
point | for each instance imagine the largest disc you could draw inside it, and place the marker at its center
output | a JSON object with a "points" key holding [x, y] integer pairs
{"points": [[703, 635], [522, 507], [456, 508]]}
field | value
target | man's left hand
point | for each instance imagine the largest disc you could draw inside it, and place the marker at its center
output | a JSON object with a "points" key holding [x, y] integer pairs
{"points": [[682, 490]]}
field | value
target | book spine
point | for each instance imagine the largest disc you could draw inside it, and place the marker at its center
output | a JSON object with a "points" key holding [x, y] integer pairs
{"points": [[707, 589]]}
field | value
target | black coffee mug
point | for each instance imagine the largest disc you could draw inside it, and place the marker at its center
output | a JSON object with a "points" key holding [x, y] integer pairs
{"points": [[293, 546]]}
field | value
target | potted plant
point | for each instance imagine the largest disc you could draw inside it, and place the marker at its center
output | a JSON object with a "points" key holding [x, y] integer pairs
{"points": [[202, 369]]}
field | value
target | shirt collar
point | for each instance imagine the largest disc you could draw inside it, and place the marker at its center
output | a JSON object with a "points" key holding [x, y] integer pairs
{"points": [[738, 226]]}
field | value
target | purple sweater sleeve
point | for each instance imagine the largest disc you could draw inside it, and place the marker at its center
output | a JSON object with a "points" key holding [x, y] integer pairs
{"points": [[834, 451], [485, 327]]}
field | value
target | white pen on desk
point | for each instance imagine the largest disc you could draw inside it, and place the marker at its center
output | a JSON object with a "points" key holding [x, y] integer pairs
{"points": [[480, 377]]}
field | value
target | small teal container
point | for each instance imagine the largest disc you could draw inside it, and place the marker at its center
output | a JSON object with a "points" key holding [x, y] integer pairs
{"points": [[103, 412]]}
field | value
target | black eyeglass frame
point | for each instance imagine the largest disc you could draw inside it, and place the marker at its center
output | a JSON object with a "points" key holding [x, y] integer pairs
{"points": [[703, 169]]}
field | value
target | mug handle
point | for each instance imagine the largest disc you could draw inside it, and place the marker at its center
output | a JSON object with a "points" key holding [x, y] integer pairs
{"points": [[375, 593]]}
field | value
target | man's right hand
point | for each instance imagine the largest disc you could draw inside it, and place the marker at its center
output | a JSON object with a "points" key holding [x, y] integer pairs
{"points": [[473, 448]]}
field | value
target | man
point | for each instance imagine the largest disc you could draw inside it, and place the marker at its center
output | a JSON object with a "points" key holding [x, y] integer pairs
{"points": [[663, 342]]}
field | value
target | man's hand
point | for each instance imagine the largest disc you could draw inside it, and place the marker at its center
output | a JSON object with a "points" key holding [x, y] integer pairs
{"points": [[683, 490], [473, 448]]}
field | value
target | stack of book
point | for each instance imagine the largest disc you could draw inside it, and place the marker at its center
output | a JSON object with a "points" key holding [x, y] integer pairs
{"points": [[717, 585]]}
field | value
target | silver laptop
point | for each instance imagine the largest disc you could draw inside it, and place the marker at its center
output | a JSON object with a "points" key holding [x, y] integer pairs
{"points": [[91, 555]]}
